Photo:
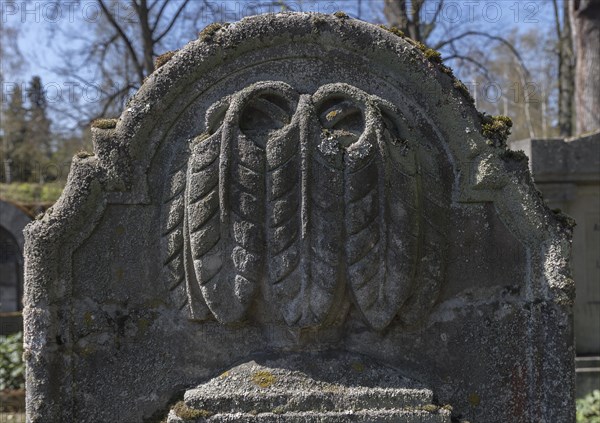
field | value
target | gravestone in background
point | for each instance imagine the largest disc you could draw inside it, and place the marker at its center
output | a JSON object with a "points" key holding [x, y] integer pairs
{"points": [[12, 222], [300, 217]]}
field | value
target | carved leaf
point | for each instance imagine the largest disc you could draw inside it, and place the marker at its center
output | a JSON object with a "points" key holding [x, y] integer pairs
{"points": [[172, 230], [434, 219], [229, 250], [305, 229], [202, 221], [382, 224], [381, 210]]}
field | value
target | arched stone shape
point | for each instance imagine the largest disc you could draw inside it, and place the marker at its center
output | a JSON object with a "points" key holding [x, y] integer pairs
{"points": [[121, 313], [12, 222]]}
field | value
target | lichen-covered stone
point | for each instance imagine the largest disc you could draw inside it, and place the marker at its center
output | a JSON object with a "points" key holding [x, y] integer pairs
{"points": [[316, 386], [295, 183]]}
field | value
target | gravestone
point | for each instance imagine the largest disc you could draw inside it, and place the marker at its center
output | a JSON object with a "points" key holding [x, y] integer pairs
{"points": [[12, 222], [300, 217], [567, 172]]}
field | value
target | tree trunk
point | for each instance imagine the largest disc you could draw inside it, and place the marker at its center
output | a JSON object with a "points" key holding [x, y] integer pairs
{"points": [[147, 37], [586, 26], [566, 70], [396, 14]]}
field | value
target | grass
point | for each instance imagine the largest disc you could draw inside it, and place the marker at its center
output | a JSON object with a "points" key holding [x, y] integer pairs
{"points": [[29, 192], [12, 417]]}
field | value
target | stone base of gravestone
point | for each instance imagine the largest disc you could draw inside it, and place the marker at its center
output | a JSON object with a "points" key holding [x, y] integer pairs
{"points": [[310, 387]]}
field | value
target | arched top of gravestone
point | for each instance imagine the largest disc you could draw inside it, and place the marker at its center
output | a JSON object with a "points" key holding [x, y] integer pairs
{"points": [[304, 50], [303, 70], [14, 219]]}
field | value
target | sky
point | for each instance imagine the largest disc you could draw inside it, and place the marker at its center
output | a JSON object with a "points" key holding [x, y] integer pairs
{"points": [[42, 26]]}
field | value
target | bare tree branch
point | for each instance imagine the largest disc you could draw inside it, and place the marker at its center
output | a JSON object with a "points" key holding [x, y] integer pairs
{"points": [[479, 65], [501, 40], [173, 20], [159, 14], [117, 27], [428, 27]]}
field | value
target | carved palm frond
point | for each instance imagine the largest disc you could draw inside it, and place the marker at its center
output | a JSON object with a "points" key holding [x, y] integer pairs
{"points": [[306, 228], [314, 200], [172, 230], [284, 223], [203, 218], [382, 280], [380, 208], [230, 258]]}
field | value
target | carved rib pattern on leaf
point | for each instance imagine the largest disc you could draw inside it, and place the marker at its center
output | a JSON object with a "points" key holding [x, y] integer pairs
{"points": [[313, 200], [172, 231], [381, 221]]}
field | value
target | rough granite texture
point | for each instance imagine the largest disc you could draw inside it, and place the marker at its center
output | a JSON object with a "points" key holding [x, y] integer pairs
{"points": [[294, 183]]}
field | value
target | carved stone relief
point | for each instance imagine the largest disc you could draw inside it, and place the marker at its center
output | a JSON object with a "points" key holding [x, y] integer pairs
{"points": [[311, 199]]}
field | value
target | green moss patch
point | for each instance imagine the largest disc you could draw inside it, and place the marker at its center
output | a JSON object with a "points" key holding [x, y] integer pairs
{"points": [[104, 123], [209, 31], [164, 58], [496, 128], [186, 413], [394, 30]]}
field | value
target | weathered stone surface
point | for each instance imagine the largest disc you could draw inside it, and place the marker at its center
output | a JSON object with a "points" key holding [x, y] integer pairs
{"points": [[311, 382], [361, 416], [316, 386], [293, 183]]}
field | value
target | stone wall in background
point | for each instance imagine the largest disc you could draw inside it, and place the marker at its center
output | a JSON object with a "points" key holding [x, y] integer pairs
{"points": [[307, 211]]}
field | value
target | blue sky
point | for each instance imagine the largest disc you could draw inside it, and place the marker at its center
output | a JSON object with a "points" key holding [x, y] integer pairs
{"points": [[42, 25]]}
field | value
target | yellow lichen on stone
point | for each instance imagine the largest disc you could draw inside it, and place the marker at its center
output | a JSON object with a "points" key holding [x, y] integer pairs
{"points": [[143, 325], [331, 115], [83, 154], [474, 399], [263, 378], [278, 410], [88, 318]]}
